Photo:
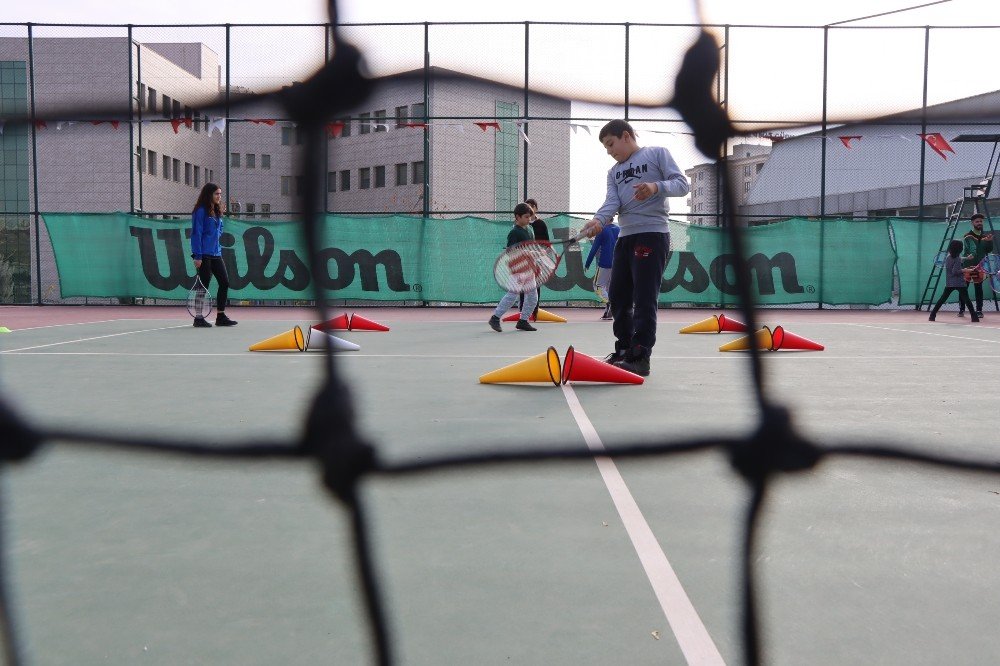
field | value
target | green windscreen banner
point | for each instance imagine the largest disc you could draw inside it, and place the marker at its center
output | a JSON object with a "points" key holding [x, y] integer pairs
{"points": [[406, 258]]}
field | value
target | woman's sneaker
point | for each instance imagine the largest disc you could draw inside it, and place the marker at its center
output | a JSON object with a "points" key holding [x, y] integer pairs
{"points": [[222, 320]]}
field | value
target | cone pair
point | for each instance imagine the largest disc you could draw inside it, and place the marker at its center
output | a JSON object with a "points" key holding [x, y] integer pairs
{"points": [[546, 368], [543, 315], [776, 340], [354, 322], [716, 324]]}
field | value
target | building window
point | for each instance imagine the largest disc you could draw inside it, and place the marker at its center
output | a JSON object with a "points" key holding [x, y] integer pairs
{"points": [[380, 125], [142, 96], [197, 121], [364, 178], [187, 173], [347, 127], [265, 210], [251, 161], [331, 181], [746, 186], [417, 112], [286, 136], [345, 181], [251, 209], [418, 173], [176, 109], [747, 170], [380, 176], [166, 106], [234, 160], [166, 167], [197, 176], [760, 165], [177, 170], [265, 161], [401, 174], [286, 186], [152, 162], [402, 115], [209, 175], [364, 123], [151, 100]]}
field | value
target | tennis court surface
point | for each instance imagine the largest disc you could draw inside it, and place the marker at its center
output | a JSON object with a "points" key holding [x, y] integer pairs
{"points": [[125, 557]]}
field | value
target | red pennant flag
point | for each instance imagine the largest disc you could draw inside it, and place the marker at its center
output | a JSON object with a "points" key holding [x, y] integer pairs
{"points": [[938, 143], [483, 126], [115, 123], [335, 129], [266, 121], [176, 123], [96, 122], [846, 140], [188, 122], [417, 125], [40, 124]]}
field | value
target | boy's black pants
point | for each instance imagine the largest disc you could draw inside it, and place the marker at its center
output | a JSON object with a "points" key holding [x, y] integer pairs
{"points": [[636, 275]]}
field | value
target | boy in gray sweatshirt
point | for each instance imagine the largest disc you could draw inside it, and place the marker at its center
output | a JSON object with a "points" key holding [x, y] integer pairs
{"points": [[638, 186]]}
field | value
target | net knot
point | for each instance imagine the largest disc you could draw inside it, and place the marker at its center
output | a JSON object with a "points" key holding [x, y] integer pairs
{"points": [[774, 447], [331, 439], [19, 441]]}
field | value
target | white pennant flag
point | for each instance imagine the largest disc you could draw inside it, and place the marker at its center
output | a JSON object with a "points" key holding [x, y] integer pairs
{"points": [[2, 123], [520, 130], [216, 123]]}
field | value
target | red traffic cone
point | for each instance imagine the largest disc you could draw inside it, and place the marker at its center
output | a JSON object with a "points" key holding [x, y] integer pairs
{"points": [[581, 368], [516, 316], [341, 323], [728, 324], [359, 323], [782, 339]]}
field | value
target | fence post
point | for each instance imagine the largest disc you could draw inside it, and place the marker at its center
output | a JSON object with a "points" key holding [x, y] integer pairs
{"points": [[225, 155], [524, 128], [425, 120], [131, 127], [34, 162], [822, 167]]}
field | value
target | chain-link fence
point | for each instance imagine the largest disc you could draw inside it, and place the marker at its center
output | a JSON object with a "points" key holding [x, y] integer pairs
{"points": [[835, 122]]}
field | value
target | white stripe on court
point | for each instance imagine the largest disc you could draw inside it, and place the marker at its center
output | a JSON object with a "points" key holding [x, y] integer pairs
{"points": [[98, 337], [692, 636]]}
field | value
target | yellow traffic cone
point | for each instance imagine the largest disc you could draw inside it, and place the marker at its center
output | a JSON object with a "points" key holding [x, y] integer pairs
{"points": [[544, 367], [760, 340], [292, 339], [710, 325], [545, 315]]}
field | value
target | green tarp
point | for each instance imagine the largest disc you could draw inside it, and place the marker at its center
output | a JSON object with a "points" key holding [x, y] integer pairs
{"points": [[402, 258]]}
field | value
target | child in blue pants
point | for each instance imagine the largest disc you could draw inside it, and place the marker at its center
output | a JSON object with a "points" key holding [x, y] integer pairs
{"points": [[523, 214]]}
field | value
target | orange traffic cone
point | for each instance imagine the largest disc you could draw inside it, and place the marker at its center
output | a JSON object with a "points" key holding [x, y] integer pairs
{"points": [[359, 323], [517, 315], [545, 315], [759, 340], [710, 325], [785, 340], [729, 324], [341, 323], [582, 368], [544, 367], [322, 340], [292, 339]]}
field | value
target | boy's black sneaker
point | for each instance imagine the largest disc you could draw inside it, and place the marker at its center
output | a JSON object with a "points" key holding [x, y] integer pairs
{"points": [[635, 360], [199, 322], [495, 324], [222, 320], [524, 325]]}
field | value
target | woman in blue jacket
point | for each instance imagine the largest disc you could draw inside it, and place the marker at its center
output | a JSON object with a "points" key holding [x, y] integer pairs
{"points": [[206, 249]]}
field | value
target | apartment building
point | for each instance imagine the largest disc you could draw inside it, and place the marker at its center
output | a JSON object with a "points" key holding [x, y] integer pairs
{"points": [[745, 162]]}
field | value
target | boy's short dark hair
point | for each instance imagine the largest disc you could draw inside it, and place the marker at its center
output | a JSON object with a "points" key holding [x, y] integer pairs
{"points": [[617, 128], [522, 209], [532, 203], [978, 216]]}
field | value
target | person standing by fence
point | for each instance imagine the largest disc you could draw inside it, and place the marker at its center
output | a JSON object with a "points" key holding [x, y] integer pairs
{"points": [[975, 246], [604, 249], [206, 250]]}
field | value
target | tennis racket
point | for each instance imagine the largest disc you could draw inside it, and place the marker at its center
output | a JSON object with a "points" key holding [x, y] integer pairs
{"points": [[528, 265], [990, 268], [199, 302]]}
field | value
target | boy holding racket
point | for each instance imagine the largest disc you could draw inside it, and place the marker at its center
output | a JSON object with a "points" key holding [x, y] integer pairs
{"points": [[638, 186], [521, 233]]}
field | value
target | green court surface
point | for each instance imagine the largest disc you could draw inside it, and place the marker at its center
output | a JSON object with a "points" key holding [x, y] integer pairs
{"points": [[123, 558]]}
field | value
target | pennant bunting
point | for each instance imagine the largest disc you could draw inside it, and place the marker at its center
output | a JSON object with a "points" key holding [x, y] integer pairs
{"points": [[938, 143], [41, 124], [846, 140], [265, 121], [216, 124], [422, 125], [175, 123], [335, 129], [495, 124]]}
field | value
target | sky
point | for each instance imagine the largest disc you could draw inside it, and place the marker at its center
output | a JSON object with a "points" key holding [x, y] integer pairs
{"points": [[775, 75]]}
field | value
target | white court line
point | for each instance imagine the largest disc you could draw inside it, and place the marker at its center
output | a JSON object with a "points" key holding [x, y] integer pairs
{"points": [[692, 636], [99, 337], [939, 335]]}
